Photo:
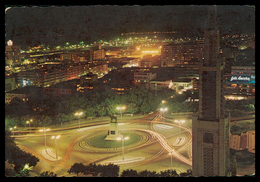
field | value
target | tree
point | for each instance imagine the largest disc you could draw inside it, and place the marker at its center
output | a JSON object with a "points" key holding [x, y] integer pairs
{"points": [[77, 168], [17, 157], [92, 169], [146, 173], [129, 173], [188, 173], [109, 170], [168, 173], [47, 174]]}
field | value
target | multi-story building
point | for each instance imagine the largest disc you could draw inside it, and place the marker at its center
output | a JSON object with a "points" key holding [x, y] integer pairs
{"points": [[143, 76], [13, 53], [243, 141], [10, 83], [240, 84], [181, 53], [99, 54], [77, 56], [50, 74], [210, 127]]}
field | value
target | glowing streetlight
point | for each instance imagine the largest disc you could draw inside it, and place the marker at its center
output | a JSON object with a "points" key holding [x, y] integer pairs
{"points": [[55, 138], [163, 110], [29, 122], [79, 114], [11, 129], [123, 139], [179, 121], [171, 156], [121, 108], [44, 130]]}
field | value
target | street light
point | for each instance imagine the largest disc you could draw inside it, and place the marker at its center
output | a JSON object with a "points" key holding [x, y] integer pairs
{"points": [[121, 108], [11, 129], [163, 110], [57, 137], [44, 130], [171, 156], [123, 139], [79, 114], [29, 122], [179, 121]]}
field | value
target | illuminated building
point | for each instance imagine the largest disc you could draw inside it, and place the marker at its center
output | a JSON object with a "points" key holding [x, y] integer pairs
{"points": [[99, 54], [240, 84], [13, 53], [210, 127], [143, 76], [50, 74], [181, 53], [243, 141]]}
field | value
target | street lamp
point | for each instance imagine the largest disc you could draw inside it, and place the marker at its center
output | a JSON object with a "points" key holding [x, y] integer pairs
{"points": [[121, 108], [44, 130], [179, 121], [171, 156], [11, 129], [79, 114], [123, 139], [163, 110], [57, 137], [29, 122]]}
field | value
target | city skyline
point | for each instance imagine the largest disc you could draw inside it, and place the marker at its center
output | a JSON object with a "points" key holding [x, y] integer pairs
{"points": [[124, 91]]}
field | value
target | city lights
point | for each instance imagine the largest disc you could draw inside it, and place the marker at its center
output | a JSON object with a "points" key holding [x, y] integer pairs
{"points": [[187, 92]]}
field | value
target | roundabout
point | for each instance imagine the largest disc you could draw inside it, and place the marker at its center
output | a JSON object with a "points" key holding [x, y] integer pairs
{"points": [[96, 142]]}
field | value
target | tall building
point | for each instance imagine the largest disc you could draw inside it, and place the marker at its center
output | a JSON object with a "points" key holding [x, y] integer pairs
{"points": [[12, 53], [210, 127], [181, 53]]}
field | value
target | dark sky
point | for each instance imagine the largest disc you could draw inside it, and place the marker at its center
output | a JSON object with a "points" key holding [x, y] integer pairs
{"points": [[32, 25]]}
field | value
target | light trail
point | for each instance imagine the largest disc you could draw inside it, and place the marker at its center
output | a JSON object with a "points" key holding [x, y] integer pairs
{"points": [[163, 141]]}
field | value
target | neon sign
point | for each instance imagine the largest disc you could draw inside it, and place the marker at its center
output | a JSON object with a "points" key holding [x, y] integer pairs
{"points": [[240, 78]]}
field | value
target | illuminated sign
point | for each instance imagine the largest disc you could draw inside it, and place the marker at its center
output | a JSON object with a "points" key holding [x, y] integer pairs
{"points": [[240, 78]]}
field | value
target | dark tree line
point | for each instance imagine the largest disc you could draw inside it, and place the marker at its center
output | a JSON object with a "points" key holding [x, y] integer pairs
{"points": [[111, 170], [56, 110]]}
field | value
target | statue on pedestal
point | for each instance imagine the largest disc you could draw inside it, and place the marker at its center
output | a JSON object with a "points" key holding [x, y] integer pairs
{"points": [[112, 133]]}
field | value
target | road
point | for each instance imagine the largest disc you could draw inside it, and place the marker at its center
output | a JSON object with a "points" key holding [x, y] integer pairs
{"points": [[153, 146]]}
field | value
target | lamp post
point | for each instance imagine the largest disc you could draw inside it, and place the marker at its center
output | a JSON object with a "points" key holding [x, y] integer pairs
{"points": [[44, 130], [79, 114], [171, 157], [179, 121], [11, 129], [121, 108], [163, 110], [123, 139], [55, 138], [29, 122]]}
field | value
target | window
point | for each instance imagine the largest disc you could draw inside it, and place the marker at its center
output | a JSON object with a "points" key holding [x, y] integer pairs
{"points": [[208, 138]]}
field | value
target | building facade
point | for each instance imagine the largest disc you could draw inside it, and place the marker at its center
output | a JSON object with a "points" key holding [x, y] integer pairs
{"points": [[48, 75], [12, 53], [210, 128], [240, 84], [181, 53]]}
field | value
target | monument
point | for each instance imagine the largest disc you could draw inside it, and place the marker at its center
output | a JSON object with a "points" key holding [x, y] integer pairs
{"points": [[210, 127], [112, 133]]}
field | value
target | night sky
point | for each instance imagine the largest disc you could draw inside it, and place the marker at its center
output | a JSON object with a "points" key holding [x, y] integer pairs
{"points": [[53, 24]]}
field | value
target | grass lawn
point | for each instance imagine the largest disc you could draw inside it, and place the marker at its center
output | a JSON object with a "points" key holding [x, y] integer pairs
{"points": [[100, 141]]}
